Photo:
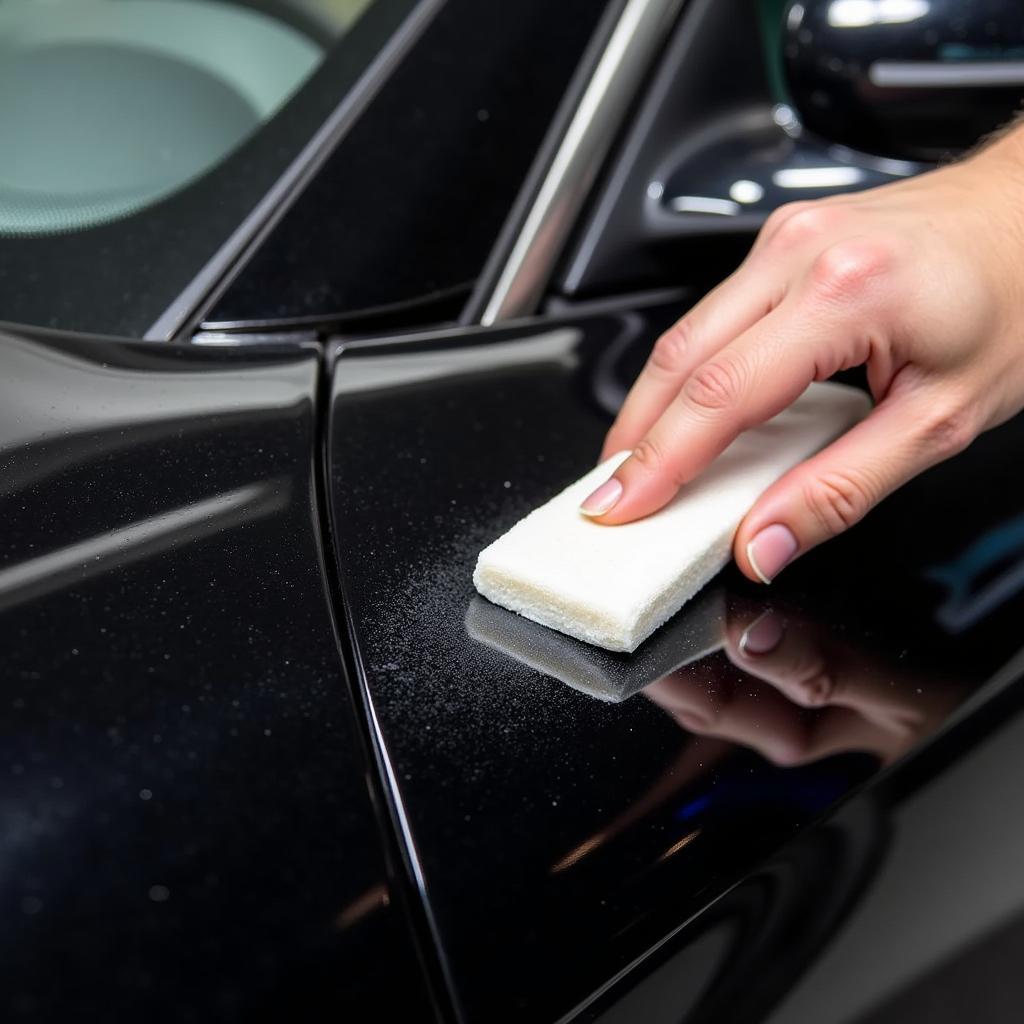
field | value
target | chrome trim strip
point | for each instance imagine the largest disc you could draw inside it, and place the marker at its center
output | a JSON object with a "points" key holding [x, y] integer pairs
{"points": [[641, 30], [927, 74], [266, 212]]}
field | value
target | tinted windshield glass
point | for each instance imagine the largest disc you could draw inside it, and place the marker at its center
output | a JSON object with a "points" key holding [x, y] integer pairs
{"points": [[137, 135]]}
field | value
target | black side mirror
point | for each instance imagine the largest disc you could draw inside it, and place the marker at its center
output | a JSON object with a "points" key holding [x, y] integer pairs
{"points": [[909, 79]]}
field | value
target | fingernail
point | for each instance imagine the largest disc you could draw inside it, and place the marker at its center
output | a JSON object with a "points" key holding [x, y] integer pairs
{"points": [[763, 635], [771, 551], [603, 499]]}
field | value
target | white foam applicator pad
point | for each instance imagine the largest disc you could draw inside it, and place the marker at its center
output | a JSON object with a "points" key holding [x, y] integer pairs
{"points": [[613, 586]]}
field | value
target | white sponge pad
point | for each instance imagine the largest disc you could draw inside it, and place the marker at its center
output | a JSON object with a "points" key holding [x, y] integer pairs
{"points": [[614, 585]]}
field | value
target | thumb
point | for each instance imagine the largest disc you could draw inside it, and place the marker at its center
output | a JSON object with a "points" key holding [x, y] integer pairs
{"points": [[836, 488]]}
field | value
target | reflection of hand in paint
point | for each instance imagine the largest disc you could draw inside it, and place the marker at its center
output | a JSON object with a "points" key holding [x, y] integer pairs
{"points": [[806, 694]]}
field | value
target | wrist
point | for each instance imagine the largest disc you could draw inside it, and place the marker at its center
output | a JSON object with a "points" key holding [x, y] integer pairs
{"points": [[993, 178], [1000, 161]]}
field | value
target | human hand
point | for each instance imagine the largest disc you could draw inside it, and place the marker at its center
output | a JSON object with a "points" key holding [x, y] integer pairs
{"points": [[808, 694], [920, 281]]}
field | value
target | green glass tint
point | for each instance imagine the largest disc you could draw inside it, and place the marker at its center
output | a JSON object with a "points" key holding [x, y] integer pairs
{"points": [[107, 106]]}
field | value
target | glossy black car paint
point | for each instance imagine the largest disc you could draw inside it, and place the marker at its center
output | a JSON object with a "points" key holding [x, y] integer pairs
{"points": [[904, 906], [189, 832], [562, 838], [187, 826]]}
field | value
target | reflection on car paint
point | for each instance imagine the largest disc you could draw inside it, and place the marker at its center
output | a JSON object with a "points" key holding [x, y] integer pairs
{"points": [[147, 538], [697, 631], [970, 595], [776, 709]]}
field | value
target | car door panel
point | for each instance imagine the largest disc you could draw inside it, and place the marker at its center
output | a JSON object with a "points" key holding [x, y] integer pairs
{"points": [[188, 833], [560, 838]]}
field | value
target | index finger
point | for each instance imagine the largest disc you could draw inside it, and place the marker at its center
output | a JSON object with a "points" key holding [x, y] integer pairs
{"points": [[722, 315], [747, 382]]}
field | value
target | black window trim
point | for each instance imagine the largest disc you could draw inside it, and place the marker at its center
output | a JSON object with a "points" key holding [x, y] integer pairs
{"points": [[180, 317]]}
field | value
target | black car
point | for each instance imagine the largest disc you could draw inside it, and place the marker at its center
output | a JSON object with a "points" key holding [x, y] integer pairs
{"points": [[307, 301]]}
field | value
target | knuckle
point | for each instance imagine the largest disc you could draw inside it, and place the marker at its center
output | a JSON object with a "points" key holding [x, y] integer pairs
{"points": [[770, 228], [648, 456], [837, 500], [817, 688], [787, 752], [780, 215], [795, 223], [846, 271], [716, 386], [948, 430], [670, 350]]}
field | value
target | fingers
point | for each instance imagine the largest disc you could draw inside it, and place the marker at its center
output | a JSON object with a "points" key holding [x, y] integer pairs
{"points": [[722, 315], [756, 717], [793, 658], [827, 494], [759, 717], [783, 655], [783, 246], [831, 322], [743, 384], [826, 324], [789, 667]]}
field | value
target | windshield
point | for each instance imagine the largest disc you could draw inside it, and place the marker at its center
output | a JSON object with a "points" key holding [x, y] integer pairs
{"points": [[135, 136]]}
